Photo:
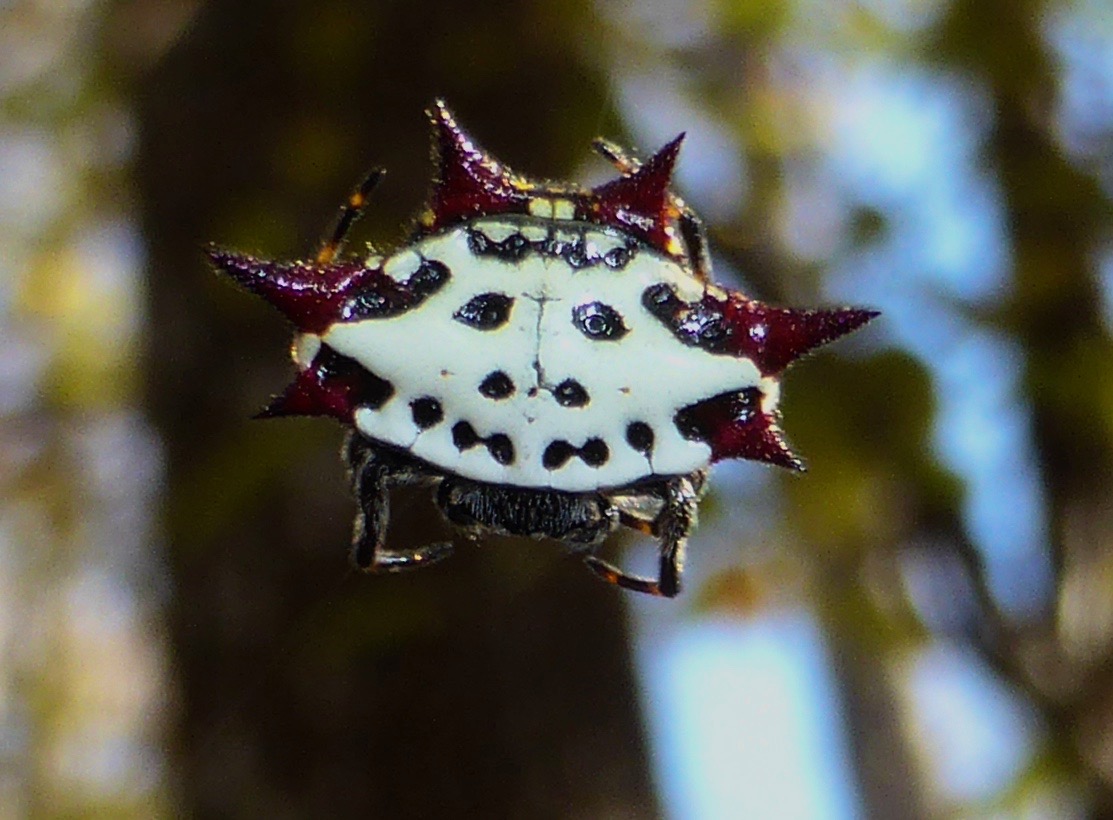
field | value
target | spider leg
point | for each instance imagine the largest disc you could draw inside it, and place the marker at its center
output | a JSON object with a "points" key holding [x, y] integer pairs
{"points": [[349, 213], [692, 229], [638, 524], [672, 526], [373, 474]]}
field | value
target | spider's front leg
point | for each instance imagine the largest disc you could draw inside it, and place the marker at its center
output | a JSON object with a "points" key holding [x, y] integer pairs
{"points": [[349, 213], [672, 526], [374, 473]]}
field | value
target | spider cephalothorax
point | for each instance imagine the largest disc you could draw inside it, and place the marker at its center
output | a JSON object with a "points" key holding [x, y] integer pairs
{"points": [[552, 359]]}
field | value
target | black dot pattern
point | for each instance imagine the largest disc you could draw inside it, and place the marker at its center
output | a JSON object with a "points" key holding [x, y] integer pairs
{"points": [[514, 247], [661, 301], [570, 393], [639, 435], [617, 258], [501, 448], [499, 445], [595, 452], [599, 321], [557, 454], [497, 385], [464, 435], [428, 279], [427, 412], [571, 246], [487, 311]]}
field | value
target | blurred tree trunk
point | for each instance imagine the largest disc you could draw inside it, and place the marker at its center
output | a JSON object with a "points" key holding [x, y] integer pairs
{"points": [[496, 685], [1057, 217]]}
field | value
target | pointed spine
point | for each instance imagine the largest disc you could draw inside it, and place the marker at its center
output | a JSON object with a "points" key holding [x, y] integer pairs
{"points": [[469, 181], [331, 385], [775, 337], [310, 295], [734, 425], [639, 202]]}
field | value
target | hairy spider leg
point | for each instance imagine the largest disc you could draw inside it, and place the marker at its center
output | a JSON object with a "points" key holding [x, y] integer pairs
{"points": [[349, 213], [672, 525], [373, 474], [692, 229]]}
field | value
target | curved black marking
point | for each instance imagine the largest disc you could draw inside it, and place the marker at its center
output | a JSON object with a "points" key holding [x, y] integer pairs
{"points": [[703, 328], [514, 247], [497, 385], [556, 455], [479, 243], [617, 258], [379, 301], [695, 423], [362, 387], [639, 435], [570, 393], [430, 277], [693, 323], [368, 304], [501, 448], [486, 311], [498, 445], [595, 452], [661, 301], [427, 412], [573, 248], [599, 321]]}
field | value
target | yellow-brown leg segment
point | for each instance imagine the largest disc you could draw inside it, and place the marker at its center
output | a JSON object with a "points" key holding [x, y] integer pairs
{"points": [[349, 213]]}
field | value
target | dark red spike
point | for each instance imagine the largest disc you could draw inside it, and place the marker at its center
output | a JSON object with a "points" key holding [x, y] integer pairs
{"points": [[775, 337], [331, 386], [312, 393], [734, 426], [309, 294], [469, 181], [640, 202], [758, 438]]}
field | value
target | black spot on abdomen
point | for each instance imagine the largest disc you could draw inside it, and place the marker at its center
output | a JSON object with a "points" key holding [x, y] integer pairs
{"points": [[497, 385], [639, 435], [427, 412], [487, 311], [570, 393], [499, 445], [501, 448], [599, 322], [556, 455], [428, 279], [595, 452], [464, 435]]}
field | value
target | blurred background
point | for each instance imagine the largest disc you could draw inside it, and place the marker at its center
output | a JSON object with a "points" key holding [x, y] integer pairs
{"points": [[921, 626]]}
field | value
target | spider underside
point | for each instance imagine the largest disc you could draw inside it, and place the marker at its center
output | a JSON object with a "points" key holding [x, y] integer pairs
{"points": [[663, 508]]}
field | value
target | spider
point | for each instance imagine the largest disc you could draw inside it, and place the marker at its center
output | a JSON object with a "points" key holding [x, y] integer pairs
{"points": [[551, 361]]}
